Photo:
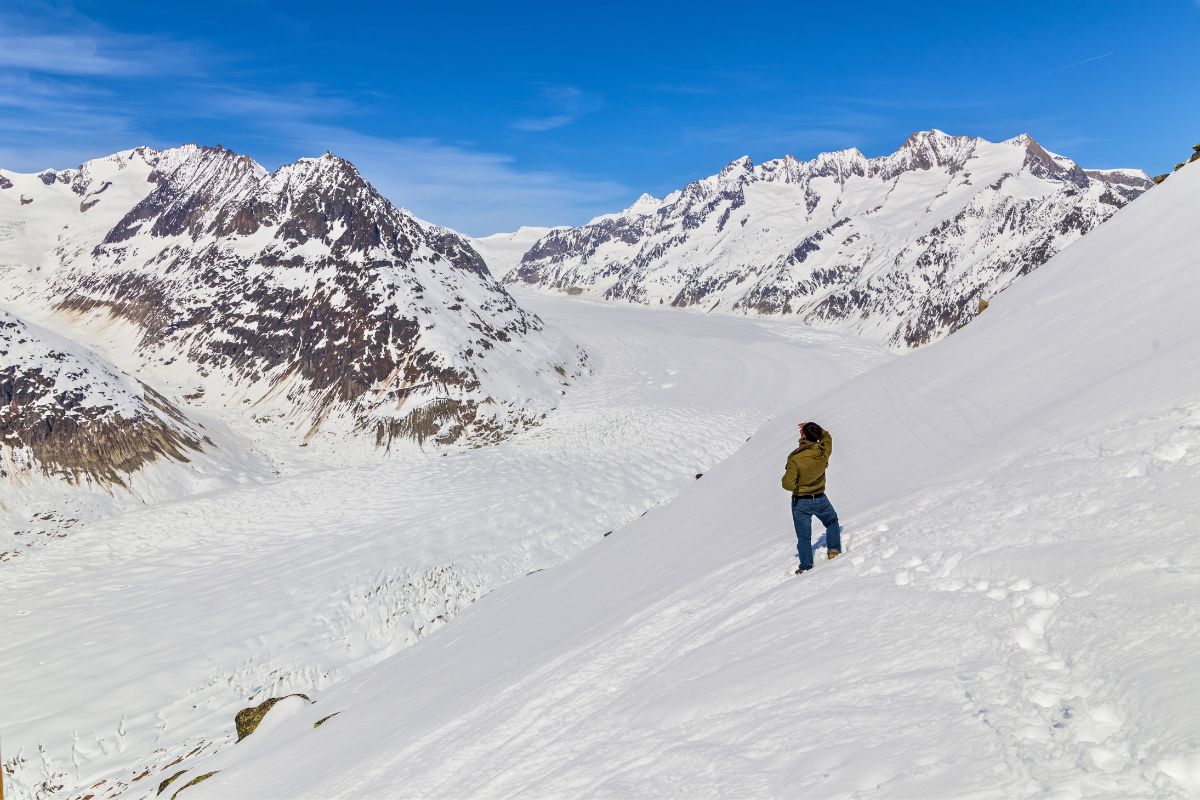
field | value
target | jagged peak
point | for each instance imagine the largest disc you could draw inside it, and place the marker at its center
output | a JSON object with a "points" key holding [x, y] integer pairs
{"points": [[1045, 164], [849, 157], [193, 158], [644, 204], [328, 169], [738, 164], [848, 152], [926, 150], [936, 141], [931, 135], [328, 158]]}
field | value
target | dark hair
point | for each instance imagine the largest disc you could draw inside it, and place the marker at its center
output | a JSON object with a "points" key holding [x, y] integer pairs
{"points": [[813, 432]]}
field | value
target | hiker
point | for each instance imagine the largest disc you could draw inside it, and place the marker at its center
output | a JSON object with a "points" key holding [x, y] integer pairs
{"points": [[805, 479]]}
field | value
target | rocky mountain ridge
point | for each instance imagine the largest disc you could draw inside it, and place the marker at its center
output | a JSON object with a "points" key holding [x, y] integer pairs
{"points": [[65, 412]]}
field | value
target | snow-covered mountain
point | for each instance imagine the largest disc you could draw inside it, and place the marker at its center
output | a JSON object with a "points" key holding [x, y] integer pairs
{"points": [[300, 293], [64, 411], [902, 246], [503, 251], [1015, 614]]}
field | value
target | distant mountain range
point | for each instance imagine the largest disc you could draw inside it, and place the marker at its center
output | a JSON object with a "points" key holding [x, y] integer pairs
{"points": [[901, 247]]}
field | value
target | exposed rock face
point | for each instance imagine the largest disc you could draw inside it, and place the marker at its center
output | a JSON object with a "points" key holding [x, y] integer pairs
{"points": [[64, 411], [901, 246], [304, 293], [247, 720]]}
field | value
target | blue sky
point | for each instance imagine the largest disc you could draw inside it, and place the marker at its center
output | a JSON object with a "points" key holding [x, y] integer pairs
{"points": [[486, 116]]}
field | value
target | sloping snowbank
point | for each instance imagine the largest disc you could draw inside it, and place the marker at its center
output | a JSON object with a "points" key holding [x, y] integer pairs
{"points": [[1016, 614]]}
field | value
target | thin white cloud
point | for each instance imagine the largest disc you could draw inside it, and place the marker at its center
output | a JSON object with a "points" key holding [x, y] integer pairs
{"points": [[59, 122], [543, 123], [91, 51], [565, 103], [50, 122], [829, 129], [71, 90], [473, 191], [69, 55]]}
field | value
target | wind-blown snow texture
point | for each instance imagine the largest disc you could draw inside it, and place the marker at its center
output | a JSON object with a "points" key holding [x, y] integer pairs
{"points": [[902, 246], [1016, 614], [302, 292]]}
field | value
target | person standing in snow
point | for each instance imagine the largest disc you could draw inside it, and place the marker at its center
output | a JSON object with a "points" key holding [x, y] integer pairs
{"points": [[804, 477]]}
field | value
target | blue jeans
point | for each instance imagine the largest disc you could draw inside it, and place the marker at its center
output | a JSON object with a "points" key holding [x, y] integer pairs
{"points": [[803, 510]]}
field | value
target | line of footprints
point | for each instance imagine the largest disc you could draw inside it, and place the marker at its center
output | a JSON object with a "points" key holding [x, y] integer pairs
{"points": [[1037, 696]]}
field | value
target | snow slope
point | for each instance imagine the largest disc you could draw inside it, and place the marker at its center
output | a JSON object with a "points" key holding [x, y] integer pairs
{"points": [[139, 637], [80, 438], [502, 251], [1016, 615], [901, 247]]}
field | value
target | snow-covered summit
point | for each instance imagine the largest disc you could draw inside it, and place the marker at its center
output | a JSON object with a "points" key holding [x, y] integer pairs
{"points": [[901, 246], [645, 204]]}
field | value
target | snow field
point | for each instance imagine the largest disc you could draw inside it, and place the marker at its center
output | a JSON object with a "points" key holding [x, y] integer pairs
{"points": [[956, 650], [1015, 614]]}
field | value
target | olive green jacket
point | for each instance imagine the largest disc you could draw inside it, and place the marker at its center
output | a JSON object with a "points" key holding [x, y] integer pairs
{"points": [[805, 473]]}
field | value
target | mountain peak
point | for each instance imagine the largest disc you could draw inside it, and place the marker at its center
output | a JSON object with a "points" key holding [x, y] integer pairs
{"points": [[644, 204], [1044, 164], [932, 134], [328, 170], [928, 149], [738, 164]]}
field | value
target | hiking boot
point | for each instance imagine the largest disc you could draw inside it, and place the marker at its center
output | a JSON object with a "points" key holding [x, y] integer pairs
{"points": [[802, 570], [832, 554]]}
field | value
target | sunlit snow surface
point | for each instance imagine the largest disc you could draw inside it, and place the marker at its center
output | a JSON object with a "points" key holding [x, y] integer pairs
{"points": [[1017, 613], [137, 638]]}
